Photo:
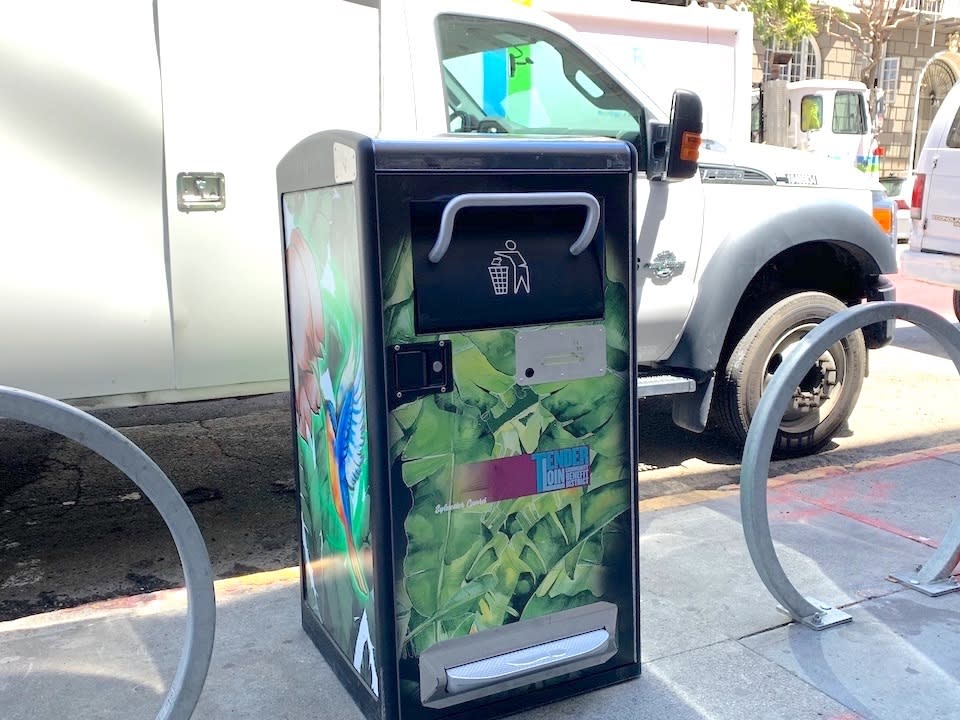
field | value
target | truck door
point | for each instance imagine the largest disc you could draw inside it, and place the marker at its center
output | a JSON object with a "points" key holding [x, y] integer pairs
{"points": [[83, 281], [850, 126], [520, 73], [242, 84]]}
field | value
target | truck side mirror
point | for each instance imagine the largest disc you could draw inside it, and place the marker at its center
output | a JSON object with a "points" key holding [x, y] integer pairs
{"points": [[683, 141]]}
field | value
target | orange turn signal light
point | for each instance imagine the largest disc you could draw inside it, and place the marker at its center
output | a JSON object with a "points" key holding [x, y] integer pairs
{"points": [[884, 218], [690, 147]]}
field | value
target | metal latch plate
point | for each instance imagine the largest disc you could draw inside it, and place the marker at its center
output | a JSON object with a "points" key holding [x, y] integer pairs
{"points": [[200, 191]]}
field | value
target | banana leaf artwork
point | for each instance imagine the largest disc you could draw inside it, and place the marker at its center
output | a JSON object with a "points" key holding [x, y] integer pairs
{"points": [[323, 287], [474, 562]]}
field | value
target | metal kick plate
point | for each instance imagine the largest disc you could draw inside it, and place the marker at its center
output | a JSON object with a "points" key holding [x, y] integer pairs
{"points": [[554, 354]]}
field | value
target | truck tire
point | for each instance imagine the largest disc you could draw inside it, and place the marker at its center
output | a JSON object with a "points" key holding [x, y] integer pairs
{"points": [[956, 303], [825, 397]]}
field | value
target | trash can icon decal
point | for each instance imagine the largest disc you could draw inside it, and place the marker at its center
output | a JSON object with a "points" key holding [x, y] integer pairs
{"points": [[512, 276]]}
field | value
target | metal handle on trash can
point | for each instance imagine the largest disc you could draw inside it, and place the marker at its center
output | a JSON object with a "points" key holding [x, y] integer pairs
{"points": [[532, 199]]}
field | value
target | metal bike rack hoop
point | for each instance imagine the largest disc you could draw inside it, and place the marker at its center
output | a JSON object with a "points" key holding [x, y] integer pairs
{"points": [[58, 417], [935, 573]]}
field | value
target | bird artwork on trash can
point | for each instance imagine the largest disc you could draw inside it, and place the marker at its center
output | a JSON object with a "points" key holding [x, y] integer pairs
{"points": [[326, 344], [345, 424]]}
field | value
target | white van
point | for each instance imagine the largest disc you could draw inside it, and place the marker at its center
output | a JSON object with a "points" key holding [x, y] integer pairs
{"points": [[934, 251]]}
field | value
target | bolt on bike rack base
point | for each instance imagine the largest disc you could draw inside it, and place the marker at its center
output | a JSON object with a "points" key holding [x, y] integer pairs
{"points": [[66, 420], [826, 615], [934, 577]]}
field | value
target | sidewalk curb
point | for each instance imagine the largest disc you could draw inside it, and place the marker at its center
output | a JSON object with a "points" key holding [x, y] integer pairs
{"points": [[826, 472], [160, 601]]}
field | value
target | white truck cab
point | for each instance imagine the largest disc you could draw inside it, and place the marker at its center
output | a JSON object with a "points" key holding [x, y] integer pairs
{"points": [[148, 265], [826, 117]]}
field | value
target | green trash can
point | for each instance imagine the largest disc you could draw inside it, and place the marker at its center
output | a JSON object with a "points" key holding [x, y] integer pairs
{"points": [[464, 416]]}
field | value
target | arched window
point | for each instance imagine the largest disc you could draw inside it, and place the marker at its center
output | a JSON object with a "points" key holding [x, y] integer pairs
{"points": [[802, 59]]}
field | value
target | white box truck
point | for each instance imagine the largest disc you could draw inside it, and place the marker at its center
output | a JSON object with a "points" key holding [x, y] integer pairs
{"points": [[138, 141]]}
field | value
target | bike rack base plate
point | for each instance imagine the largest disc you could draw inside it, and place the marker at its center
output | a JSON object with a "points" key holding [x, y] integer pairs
{"points": [[935, 588]]}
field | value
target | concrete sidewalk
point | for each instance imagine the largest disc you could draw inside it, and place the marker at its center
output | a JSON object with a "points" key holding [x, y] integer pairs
{"points": [[714, 644]]}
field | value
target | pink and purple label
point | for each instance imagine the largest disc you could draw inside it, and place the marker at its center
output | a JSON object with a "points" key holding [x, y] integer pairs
{"points": [[519, 476]]}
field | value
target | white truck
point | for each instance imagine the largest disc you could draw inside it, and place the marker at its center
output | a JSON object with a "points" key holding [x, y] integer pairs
{"points": [[827, 117], [141, 259]]}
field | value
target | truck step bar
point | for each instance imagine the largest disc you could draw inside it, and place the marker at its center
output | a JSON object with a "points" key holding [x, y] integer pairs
{"points": [[651, 385]]}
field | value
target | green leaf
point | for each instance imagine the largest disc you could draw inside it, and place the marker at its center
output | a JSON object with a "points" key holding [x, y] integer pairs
{"points": [[587, 577], [617, 360], [441, 546], [617, 317], [527, 430], [467, 592], [402, 419], [600, 414], [496, 517], [556, 437], [498, 347], [395, 431], [571, 559], [416, 471], [472, 441], [583, 397], [602, 505], [610, 439], [528, 553], [605, 470], [467, 596], [507, 572], [532, 510], [477, 381], [457, 626], [540, 605], [578, 574], [399, 277], [433, 433], [398, 325], [784, 20], [488, 555], [506, 441], [406, 415]]}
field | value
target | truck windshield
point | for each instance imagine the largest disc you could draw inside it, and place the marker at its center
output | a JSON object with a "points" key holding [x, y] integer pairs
{"points": [[504, 77], [849, 114]]}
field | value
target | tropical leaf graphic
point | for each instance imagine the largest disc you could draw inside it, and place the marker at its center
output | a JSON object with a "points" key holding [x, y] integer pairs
{"points": [[471, 568]]}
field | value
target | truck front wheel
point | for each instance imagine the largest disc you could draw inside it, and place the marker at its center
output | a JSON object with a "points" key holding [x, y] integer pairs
{"points": [[826, 395]]}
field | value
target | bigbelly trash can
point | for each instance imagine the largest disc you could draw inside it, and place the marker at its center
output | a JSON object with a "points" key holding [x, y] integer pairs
{"points": [[464, 403]]}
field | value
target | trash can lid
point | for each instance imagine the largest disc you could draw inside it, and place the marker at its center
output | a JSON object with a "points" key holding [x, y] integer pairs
{"points": [[479, 152]]}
